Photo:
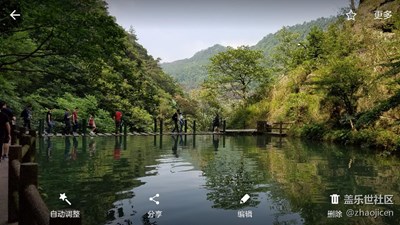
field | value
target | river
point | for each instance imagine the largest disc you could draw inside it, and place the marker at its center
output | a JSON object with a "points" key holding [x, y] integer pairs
{"points": [[174, 180]]}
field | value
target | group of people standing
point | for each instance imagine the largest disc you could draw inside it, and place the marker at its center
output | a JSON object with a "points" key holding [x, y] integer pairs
{"points": [[179, 121], [71, 121]]}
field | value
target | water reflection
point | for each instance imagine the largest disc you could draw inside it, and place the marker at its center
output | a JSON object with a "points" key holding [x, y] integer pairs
{"points": [[74, 152], [289, 181], [177, 141], [146, 220], [49, 147], [92, 147], [229, 176], [117, 147], [67, 147], [215, 141]]}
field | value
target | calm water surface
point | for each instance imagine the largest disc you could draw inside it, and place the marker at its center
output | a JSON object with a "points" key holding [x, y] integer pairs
{"points": [[201, 181]]}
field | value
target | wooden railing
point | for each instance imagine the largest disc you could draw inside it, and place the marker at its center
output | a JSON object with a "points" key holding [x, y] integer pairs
{"points": [[25, 203], [280, 127]]}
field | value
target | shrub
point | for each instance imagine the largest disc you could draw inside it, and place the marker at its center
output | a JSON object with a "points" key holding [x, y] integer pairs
{"points": [[313, 131]]}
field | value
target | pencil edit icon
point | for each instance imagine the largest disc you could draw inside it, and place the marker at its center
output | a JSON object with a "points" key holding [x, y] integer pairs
{"points": [[244, 199]]}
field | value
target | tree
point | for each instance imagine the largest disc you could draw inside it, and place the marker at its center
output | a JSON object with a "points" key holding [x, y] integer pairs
{"points": [[236, 71], [288, 54], [76, 49], [341, 81], [315, 40]]}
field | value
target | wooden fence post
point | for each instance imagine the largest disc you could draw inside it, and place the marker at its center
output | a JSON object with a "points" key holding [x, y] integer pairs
{"points": [[15, 153], [185, 126], [194, 126], [155, 125], [280, 127], [32, 148], [25, 140], [161, 126], [224, 126], [41, 127], [13, 136], [84, 127], [22, 131], [28, 176], [32, 133], [194, 141], [125, 129]]}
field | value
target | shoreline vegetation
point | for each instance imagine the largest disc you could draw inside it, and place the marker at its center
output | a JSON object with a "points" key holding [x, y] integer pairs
{"points": [[337, 82]]}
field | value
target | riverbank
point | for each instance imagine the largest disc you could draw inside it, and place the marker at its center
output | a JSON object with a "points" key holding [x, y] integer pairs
{"points": [[378, 139]]}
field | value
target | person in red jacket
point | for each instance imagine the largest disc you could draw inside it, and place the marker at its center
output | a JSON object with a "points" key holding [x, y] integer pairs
{"points": [[75, 121], [118, 121], [92, 124]]}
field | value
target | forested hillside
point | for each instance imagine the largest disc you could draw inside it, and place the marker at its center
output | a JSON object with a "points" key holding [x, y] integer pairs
{"points": [[268, 43], [339, 84], [193, 71], [67, 54]]}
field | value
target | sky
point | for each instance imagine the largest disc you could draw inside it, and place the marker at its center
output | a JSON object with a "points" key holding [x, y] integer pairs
{"points": [[177, 29]]}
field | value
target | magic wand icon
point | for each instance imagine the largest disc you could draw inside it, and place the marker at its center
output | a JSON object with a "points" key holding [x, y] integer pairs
{"points": [[64, 198]]}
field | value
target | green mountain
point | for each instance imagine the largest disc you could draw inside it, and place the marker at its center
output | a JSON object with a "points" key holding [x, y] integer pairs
{"points": [[268, 43], [190, 73]]}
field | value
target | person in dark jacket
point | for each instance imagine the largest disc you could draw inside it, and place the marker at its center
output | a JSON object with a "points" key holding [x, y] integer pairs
{"points": [[5, 129], [26, 115], [216, 123], [175, 119]]}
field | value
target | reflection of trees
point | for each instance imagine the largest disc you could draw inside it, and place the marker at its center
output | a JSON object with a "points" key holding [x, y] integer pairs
{"points": [[92, 180], [229, 177], [146, 220], [305, 174]]}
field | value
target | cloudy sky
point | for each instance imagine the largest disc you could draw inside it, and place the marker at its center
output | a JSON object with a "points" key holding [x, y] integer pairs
{"points": [[176, 29]]}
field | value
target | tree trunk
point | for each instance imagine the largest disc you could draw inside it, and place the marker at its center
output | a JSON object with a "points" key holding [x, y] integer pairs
{"points": [[353, 5]]}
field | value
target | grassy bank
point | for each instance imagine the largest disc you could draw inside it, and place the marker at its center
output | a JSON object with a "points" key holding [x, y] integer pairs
{"points": [[375, 139]]}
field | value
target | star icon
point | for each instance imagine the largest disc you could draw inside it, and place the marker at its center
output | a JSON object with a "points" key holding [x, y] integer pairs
{"points": [[351, 15]]}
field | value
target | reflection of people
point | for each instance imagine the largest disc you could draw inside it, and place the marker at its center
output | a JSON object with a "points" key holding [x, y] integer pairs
{"points": [[216, 142], [74, 152], [216, 124], [49, 147], [117, 148], [175, 146], [67, 147], [92, 147]]}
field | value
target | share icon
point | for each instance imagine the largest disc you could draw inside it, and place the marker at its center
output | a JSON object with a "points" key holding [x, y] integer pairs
{"points": [[155, 196]]}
